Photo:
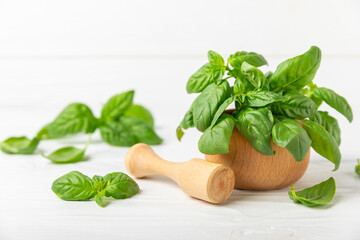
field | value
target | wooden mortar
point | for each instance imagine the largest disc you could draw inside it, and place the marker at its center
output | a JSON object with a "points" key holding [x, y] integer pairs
{"points": [[255, 171]]}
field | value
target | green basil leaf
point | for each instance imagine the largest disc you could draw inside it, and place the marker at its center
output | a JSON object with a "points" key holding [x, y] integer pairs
{"points": [[117, 105], [140, 112], [207, 103], [316, 100], [242, 86], [288, 134], [216, 139], [99, 198], [67, 155], [319, 194], [329, 123], [221, 110], [215, 59], [357, 167], [262, 98], [322, 142], [98, 183], [73, 186], [237, 59], [335, 101], [256, 125], [205, 76], [75, 118], [255, 76], [120, 186], [19, 145], [129, 131], [296, 72], [186, 123], [297, 106]]}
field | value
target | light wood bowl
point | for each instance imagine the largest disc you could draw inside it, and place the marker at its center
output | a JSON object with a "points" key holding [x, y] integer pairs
{"points": [[255, 171]]}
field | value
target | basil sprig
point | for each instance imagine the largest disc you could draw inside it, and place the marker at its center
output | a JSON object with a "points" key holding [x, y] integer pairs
{"points": [[320, 194], [282, 106], [121, 123], [76, 186], [357, 167]]}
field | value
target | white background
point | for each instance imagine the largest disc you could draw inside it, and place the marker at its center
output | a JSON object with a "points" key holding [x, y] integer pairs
{"points": [[56, 52]]}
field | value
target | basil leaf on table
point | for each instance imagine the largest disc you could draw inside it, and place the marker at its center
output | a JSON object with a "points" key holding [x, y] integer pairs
{"points": [[120, 186], [238, 58], [329, 123], [262, 98], [67, 155], [255, 76], [203, 77], [216, 139], [74, 186], [129, 131], [296, 72], [335, 101], [357, 167], [141, 112], [116, 106], [207, 103], [322, 142], [297, 107], [288, 134], [19, 145], [75, 118], [319, 194], [256, 125]]}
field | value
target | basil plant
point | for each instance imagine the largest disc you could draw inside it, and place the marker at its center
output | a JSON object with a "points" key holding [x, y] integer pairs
{"points": [[282, 106]]}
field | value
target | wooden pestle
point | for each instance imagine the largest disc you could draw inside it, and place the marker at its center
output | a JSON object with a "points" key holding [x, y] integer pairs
{"points": [[209, 181]]}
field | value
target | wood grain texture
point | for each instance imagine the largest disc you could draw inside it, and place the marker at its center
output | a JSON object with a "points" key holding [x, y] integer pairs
{"points": [[208, 181], [255, 171]]}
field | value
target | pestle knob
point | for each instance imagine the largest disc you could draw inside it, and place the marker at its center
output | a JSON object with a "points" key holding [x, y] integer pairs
{"points": [[209, 181]]}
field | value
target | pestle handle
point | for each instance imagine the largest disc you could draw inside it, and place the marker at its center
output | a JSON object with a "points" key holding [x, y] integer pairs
{"points": [[142, 161], [209, 181]]}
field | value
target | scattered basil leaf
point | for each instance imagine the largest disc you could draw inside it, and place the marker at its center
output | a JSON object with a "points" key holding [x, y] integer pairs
{"points": [[357, 167], [141, 112], [238, 58], [216, 139], [205, 76], [67, 155], [329, 123], [319, 194], [74, 186], [322, 142], [120, 186], [75, 118], [263, 98], [256, 125], [116, 106], [296, 72], [19, 145], [335, 101], [129, 131], [253, 75], [207, 103], [288, 134], [297, 107]]}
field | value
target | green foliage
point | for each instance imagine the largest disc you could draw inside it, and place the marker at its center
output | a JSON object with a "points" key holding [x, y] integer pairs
{"points": [[319, 194], [76, 186], [19, 145], [287, 94], [287, 133], [357, 167], [122, 123]]}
